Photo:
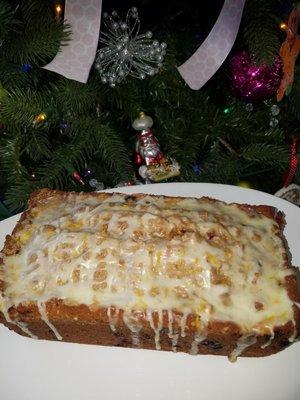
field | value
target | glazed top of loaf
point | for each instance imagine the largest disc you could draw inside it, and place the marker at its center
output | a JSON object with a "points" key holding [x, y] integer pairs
{"points": [[151, 253]]}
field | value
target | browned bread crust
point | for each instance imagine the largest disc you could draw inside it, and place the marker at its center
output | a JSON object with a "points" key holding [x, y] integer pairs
{"points": [[83, 324]]}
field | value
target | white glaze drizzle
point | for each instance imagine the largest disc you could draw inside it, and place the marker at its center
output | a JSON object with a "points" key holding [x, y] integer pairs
{"points": [[170, 324], [183, 324], [268, 342], [19, 324], [157, 328], [294, 334], [173, 336], [112, 319], [242, 344], [22, 325], [174, 341], [43, 313], [25, 329], [132, 324], [198, 338], [297, 304]]}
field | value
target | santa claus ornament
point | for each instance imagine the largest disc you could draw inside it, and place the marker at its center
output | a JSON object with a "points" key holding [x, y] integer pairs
{"points": [[154, 165]]}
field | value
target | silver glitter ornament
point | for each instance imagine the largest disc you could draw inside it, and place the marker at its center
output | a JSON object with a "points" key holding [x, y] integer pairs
{"points": [[274, 110], [273, 122], [126, 51], [94, 183], [249, 107]]}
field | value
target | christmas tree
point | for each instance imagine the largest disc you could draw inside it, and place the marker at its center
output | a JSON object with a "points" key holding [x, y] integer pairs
{"points": [[59, 133]]}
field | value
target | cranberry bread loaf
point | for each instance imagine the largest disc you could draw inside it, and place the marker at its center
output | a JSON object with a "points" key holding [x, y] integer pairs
{"points": [[183, 274]]}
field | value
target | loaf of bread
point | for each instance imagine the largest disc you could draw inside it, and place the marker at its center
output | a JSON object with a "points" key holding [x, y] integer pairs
{"points": [[154, 272]]}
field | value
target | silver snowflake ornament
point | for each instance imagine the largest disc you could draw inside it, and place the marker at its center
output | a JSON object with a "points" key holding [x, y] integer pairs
{"points": [[127, 52]]}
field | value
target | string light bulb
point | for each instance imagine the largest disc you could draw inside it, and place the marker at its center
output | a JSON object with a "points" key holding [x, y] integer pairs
{"points": [[40, 118], [75, 174], [244, 184], [227, 110], [283, 26], [78, 178], [58, 11]]}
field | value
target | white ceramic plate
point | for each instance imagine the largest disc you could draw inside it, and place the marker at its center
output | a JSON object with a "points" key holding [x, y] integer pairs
{"points": [[36, 370]]}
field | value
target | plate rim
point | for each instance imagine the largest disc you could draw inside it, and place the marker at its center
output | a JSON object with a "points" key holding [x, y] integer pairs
{"points": [[120, 190]]}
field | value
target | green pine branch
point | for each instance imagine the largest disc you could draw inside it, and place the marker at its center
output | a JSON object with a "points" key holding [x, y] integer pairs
{"points": [[37, 42], [74, 97], [7, 20], [86, 141], [103, 141], [35, 144], [19, 107], [32, 11], [269, 154], [260, 32], [219, 167], [294, 96], [208, 127]]}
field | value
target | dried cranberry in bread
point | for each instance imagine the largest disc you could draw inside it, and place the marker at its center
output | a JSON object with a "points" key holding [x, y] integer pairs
{"points": [[183, 274]]}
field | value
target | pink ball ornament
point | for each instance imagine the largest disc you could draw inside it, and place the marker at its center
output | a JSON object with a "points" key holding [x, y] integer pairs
{"points": [[252, 82]]}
